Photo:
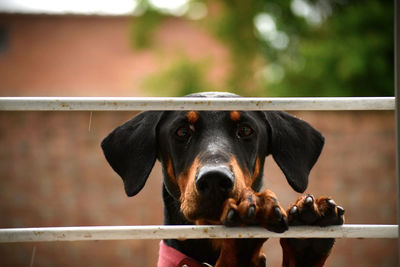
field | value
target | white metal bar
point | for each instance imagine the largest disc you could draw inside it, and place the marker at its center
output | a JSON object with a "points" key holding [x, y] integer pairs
{"points": [[189, 232], [193, 103], [397, 94]]}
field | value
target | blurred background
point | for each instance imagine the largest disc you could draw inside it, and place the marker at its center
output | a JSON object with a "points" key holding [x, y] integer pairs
{"points": [[53, 173]]}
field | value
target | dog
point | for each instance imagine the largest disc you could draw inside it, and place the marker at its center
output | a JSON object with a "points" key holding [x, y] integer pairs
{"points": [[212, 165]]}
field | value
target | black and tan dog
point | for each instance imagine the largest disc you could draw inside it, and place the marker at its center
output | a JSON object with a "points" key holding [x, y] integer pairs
{"points": [[213, 165]]}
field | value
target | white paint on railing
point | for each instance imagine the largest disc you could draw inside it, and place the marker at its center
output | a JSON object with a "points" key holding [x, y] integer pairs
{"points": [[193, 103], [45, 234]]}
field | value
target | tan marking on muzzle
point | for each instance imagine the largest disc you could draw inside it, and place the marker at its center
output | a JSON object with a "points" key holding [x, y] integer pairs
{"points": [[257, 169], [187, 187], [170, 171], [242, 178]]}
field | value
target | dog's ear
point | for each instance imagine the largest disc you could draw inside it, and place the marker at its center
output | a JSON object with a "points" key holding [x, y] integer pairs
{"points": [[131, 150], [295, 146]]}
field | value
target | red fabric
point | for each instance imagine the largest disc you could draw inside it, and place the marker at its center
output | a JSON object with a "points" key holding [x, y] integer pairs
{"points": [[170, 257]]}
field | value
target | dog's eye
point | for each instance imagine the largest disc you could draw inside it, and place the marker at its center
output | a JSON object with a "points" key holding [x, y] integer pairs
{"points": [[244, 131], [183, 132]]}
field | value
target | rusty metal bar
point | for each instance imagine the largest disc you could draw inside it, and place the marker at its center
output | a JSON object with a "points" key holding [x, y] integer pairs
{"points": [[188, 232], [191, 103]]}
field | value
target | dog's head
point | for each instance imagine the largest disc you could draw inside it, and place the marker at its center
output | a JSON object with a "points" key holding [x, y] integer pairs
{"points": [[209, 156]]}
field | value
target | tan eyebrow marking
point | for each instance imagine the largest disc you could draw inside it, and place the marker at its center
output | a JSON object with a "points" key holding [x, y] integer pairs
{"points": [[234, 115], [192, 116]]}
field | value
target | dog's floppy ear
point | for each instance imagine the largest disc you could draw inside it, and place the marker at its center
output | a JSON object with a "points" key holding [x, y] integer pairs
{"points": [[295, 146], [131, 150]]}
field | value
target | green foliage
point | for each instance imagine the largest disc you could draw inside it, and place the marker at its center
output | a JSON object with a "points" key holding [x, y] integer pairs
{"points": [[341, 48], [234, 26], [180, 78], [351, 54], [143, 27]]}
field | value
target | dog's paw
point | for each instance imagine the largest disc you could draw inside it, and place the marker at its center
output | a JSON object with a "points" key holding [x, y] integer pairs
{"points": [[307, 210], [252, 208], [322, 211]]}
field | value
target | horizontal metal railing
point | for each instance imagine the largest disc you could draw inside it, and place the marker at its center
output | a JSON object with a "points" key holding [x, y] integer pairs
{"points": [[193, 103], [47, 234]]}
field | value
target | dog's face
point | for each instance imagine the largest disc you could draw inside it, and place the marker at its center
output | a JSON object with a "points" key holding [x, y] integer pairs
{"points": [[209, 156]]}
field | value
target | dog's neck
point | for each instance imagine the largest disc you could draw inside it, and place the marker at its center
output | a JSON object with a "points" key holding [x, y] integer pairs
{"points": [[198, 249]]}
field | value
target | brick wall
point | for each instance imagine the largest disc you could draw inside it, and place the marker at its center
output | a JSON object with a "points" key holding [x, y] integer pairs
{"points": [[93, 56]]}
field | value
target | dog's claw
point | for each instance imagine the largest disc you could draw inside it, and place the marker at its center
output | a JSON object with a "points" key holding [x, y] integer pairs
{"points": [[278, 213], [231, 215], [309, 201], [294, 210], [281, 225], [285, 223], [331, 202], [340, 210]]}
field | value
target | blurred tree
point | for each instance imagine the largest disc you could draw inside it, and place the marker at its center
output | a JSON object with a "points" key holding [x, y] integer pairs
{"points": [[286, 47], [349, 53], [181, 77]]}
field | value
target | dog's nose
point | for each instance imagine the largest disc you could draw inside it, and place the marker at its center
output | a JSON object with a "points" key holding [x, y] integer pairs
{"points": [[212, 180]]}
